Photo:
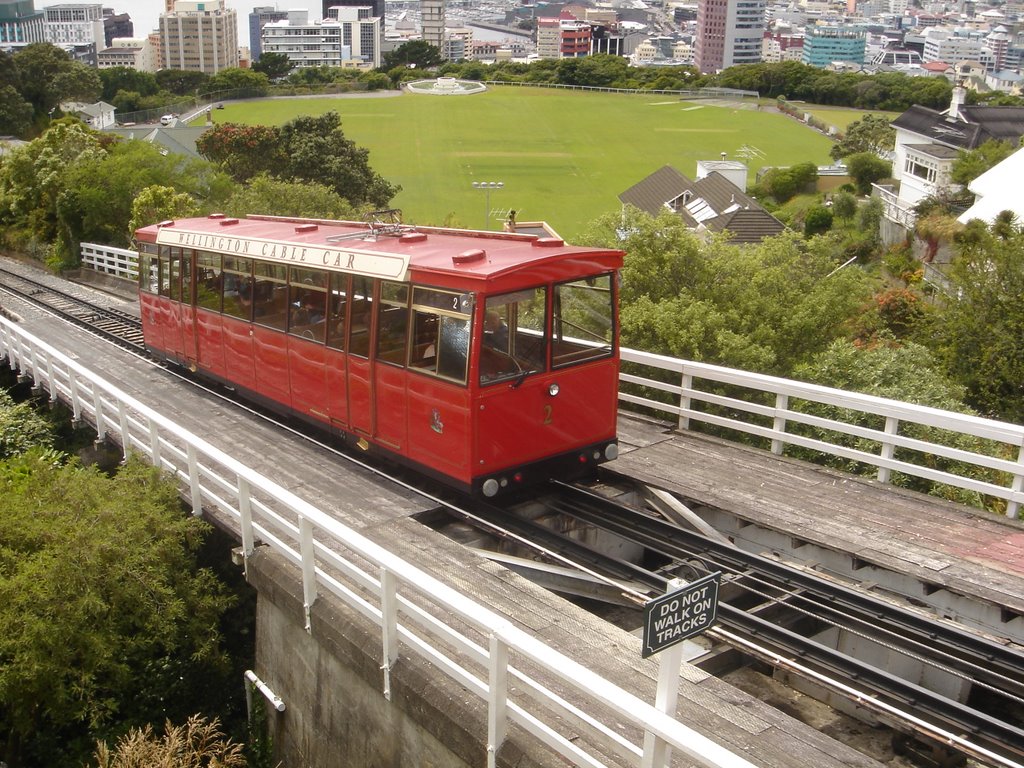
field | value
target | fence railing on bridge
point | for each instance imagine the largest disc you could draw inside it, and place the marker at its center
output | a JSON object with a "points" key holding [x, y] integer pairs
{"points": [[976, 455], [415, 613]]}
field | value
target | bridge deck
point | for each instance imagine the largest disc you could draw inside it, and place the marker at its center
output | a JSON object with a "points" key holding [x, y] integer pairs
{"points": [[742, 723], [956, 556]]}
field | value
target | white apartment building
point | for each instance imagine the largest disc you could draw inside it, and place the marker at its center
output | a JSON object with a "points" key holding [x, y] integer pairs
{"points": [[432, 22], [349, 37], [136, 53], [199, 36], [75, 24], [941, 44]]}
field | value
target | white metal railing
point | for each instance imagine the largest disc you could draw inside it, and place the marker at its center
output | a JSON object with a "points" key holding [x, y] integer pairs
{"points": [[892, 209], [894, 413], [471, 644], [747, 413], [119, 262]]}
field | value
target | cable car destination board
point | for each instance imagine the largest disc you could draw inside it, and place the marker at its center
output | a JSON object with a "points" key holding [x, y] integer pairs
{"points": [[679, 615]]}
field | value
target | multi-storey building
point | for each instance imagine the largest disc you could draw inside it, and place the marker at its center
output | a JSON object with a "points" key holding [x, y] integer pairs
{"points": [[458, 44], [20, 24], [116, 25], [259, 18], [136, 53], [729, 32], [432, 22], [75, 24], [828, 43], [941, 44], [350, 37], [199, 36]]}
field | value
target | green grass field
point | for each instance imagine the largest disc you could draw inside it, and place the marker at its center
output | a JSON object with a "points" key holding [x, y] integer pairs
{"points": [[841, 118], [564, 157]]}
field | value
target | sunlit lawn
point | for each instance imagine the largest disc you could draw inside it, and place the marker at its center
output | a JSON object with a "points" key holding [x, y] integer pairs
{"points": [[563, 156], [841, 118]]}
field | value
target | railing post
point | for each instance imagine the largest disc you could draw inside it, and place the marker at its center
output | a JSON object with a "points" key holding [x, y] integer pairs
{"points": [[388, 625], [779, 424], [154, 443], [97, 404], [76, 398], [245, 522], [1013, 507], [684, 400], [497, 694], [50, 380], [656, 752], [193, 480], [126, 439], [892, 424], [308, 568]]}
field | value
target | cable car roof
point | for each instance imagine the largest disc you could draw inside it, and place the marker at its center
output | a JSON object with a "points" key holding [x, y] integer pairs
{"points": [[386, 250]]}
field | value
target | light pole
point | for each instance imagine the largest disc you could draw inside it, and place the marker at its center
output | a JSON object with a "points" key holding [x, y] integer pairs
{"points": [[487, 186]]}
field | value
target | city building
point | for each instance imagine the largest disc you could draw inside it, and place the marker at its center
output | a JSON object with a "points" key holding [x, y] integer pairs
{"points": [[376, 5], [20, 24], [199, 36], [116, 25], [258, 19], [827, 43], [136, 53], [76, 24], [564, 37], [349, 37], [432, 22], [729, 32]]}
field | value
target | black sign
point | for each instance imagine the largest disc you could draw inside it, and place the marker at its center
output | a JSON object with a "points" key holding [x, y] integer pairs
{"points": [[672, 618]]}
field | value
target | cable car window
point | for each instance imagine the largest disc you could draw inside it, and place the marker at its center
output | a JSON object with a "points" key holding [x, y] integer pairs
{"points": [[440, 332], [186, 276], [337, 303], [393, 322], [174, 275], [149, 272], [582, 317], [238, 287], [270, 294], [514, 342], [209, 280], [307, 303], [359, 327]]}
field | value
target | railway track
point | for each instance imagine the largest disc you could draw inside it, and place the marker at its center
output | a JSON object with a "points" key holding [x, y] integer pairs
{"points": [[769, 610], [78, 307], [953, 689]]}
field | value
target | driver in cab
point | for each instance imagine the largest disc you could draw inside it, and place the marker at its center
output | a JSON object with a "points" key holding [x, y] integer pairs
{"points": [[495, 331]]}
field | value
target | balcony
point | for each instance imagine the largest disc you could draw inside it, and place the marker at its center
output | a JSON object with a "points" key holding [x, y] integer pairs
{"points": [[892, 209]]}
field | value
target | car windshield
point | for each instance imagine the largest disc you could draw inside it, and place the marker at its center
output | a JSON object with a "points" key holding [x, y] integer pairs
{"points": [[514, 338]]}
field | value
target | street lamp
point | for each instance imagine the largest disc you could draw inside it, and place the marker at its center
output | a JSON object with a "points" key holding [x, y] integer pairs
{"points": [[487, 186]]}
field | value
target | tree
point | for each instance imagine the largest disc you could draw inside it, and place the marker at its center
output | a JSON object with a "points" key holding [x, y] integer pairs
{"points": [[306, 199], [20, 428], [817, 221], [934, 229], [49, 76], [981, 323], [244, 151], [844, 205], [107, 619], [182, 82], [274, 65], [197, 744], [236, 78], [970, 164], [781, 184], [15, 112], [865, 169], [872, 133], [157, 203], [763, 308], [116, 79], [418, 54]]}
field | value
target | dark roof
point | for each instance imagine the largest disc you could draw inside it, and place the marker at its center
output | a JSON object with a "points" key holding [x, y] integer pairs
{"points": [[973, 127], [713, 202]]}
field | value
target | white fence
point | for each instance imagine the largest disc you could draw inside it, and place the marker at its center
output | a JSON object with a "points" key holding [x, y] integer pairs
{"points": [[766, 409], [477, 648], [119, 262], [748, 414]]}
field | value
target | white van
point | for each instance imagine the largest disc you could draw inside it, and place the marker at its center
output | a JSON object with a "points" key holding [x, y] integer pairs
{"points": [[168, 119]]}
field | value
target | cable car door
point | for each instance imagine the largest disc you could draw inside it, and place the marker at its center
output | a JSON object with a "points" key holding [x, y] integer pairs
{"points": [[187, 320], [360, 380]]}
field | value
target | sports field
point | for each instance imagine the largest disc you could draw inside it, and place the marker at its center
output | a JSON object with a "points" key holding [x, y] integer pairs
{"points": [[563, 156]]}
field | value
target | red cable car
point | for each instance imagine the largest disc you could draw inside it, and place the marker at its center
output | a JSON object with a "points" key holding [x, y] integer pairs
{"points": [[488, 360]]}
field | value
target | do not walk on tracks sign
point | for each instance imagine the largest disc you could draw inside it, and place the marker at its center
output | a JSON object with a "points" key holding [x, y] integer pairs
{"points": [[681, 614]]}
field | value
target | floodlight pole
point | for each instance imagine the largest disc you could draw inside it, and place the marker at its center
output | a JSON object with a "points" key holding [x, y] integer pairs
{"points": [[487, 186]]}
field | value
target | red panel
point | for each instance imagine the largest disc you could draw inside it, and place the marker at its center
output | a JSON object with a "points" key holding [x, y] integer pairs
{"points": [[308, 375], [439, 425], [524, 424], [360, 415], [337, 388], [238, 346], [270, 356], [210, 341], [389, 405], [151, 312]]}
